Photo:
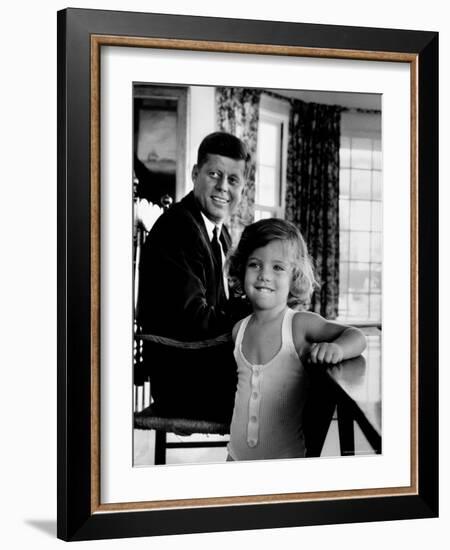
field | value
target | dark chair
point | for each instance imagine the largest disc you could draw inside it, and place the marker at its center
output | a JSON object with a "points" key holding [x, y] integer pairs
{"points": [[147, 420], [150, 418]]}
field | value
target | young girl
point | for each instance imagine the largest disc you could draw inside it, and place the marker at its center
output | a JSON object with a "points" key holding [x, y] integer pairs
{"points": [[271, 266]]}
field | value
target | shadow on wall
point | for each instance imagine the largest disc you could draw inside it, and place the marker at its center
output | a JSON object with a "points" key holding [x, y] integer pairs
{"points": [[47, 526]]}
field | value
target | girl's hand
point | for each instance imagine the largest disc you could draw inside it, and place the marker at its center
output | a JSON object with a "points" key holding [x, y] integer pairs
{"points": [[326, 352]]}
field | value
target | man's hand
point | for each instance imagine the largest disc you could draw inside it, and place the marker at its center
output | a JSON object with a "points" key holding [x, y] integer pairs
{"points": [[326, 352]]}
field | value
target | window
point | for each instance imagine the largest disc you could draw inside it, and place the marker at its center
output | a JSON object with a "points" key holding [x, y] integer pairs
{"points": [[360, 213], [270, 180]]}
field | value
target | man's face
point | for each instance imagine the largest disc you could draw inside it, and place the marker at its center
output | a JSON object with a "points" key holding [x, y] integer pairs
{"points": [[218, 186]]}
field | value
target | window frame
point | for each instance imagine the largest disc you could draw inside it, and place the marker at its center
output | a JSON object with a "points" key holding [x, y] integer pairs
{"points": [[363, 125], [275, 110]]}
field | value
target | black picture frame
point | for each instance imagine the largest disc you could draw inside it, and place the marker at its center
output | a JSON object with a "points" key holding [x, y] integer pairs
{"points": [[80, 35]]}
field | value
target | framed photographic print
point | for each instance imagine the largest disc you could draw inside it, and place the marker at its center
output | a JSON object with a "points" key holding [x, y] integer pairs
{"points": [[338, 131]]}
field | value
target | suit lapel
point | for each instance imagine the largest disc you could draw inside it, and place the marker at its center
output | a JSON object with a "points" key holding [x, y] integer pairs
{"points": [[225, 239], [191, 206]]}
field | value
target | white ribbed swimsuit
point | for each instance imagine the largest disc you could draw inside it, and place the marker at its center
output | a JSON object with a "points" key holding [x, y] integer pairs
{"points": [[268, 408]]}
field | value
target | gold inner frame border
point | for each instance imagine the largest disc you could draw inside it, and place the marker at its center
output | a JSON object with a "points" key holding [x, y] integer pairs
{"points": [[97, 41]]}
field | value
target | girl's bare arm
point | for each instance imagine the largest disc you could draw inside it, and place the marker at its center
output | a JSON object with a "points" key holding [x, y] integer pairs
{"points": [[330, 342]]}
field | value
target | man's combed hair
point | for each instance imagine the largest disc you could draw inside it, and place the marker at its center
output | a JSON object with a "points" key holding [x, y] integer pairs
{"points": [[225, 145], [260, 234]]}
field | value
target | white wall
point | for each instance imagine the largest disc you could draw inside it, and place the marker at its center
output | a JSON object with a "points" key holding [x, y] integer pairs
{"points": [[202, 110], [28, 289]]}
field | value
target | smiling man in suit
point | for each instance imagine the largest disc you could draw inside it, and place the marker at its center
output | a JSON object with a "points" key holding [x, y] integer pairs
{"points": [[183, 292]]}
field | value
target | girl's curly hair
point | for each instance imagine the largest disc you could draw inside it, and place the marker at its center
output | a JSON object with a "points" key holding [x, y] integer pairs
{"points": [[260, 234]]}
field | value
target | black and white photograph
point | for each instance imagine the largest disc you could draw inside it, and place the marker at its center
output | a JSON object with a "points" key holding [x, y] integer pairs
{"points": [[192, 194], [246, 295], [257, 274]]}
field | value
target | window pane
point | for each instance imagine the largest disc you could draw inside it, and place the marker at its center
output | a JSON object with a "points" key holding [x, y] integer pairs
{"points": [[358, 277], [360, 246], [344, 152], [262, 215], [376, 154], [343, 245], [360, 188], [361, 153], [343, 276], [361, 221], [344, 182], [376, 247], [377, 181], [375, 307], [360, 215], [268, 143], [344, 214], [375, 278], [342, 308], [377, 216], [266, 186], [358, 305]]}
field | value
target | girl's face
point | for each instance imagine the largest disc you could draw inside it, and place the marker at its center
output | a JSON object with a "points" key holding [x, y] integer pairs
{"points": [[268, 275]]}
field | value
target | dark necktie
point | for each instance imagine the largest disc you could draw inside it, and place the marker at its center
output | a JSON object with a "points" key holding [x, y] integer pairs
{"points": [[217, 251], [215, 245]]}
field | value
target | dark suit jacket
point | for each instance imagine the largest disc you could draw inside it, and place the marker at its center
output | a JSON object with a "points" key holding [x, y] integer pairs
{"points": [[181, 297]]}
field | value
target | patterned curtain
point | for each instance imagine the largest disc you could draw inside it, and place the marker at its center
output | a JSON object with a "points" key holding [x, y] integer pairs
{"points": [[238, 114], [312, 194]]}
